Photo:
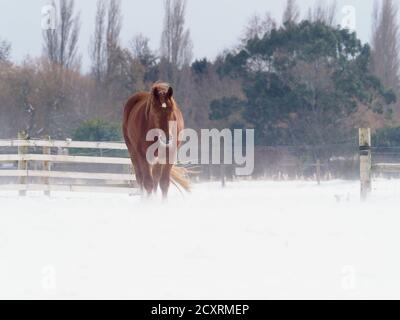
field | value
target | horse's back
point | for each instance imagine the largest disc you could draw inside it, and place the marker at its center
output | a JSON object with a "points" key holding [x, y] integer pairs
{"points": [[135, 101], [133, 109]]}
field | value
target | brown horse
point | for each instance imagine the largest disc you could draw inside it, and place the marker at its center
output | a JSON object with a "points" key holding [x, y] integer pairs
{"points": [[143, 112]]}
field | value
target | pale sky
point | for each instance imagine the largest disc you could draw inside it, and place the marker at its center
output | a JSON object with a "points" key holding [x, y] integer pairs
{"points": [[215, 25]]}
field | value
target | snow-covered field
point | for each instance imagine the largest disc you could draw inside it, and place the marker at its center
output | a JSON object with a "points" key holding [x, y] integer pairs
{"points": [[252, 240]]}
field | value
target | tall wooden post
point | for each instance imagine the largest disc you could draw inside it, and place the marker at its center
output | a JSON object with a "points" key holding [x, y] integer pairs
{"points": [[22, 164], [47, 167], [365, 162], [223, 175], [318, 171]]}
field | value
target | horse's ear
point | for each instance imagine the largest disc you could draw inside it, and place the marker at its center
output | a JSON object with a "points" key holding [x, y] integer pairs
{"points": [[170, 92], [154, 92]]}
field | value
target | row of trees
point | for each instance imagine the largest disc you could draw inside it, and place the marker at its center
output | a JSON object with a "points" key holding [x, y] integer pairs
{"points": [[301, 80]]}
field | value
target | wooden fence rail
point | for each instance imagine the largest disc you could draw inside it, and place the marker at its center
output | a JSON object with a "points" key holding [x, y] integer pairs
{"points": [[67, 175], [63, 158], [52, 180], [63, 144]]}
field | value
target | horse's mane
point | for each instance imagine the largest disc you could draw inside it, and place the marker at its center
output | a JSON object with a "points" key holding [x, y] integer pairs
{"points": [[161, 85]]}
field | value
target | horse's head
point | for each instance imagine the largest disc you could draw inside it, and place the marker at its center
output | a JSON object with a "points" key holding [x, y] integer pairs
{"points": [[162, 94], [162, 107]]}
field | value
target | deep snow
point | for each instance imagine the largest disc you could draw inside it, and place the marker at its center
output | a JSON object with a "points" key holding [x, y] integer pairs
{"points": [[252, 240]]}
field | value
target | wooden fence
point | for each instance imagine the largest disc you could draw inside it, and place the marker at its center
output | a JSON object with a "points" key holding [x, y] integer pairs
{"points": [[51, 180], [367, 167]]}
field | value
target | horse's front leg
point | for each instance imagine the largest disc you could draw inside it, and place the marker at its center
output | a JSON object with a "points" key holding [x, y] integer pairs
{"points": [[156, 173], [147, 179], [165, 179], [138, 174]]}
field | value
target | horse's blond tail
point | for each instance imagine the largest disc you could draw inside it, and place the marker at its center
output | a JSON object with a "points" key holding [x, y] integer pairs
{"points": [[179, 177]]}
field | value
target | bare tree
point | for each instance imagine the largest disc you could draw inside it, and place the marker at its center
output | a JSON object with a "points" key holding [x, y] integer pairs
{"points": [[385, 43], [258, 26], [291, 13], [139, 46], [105, 49], [114, 24], [5, 49], [97, 49], [61, 44], [140, 49], [322, 12], [176, 45]]}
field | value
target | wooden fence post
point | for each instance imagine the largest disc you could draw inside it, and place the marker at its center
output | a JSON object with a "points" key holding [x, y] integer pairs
{"points": [[318, 171], [365, 162], [47, 167], [22, 164], [223, 175]]}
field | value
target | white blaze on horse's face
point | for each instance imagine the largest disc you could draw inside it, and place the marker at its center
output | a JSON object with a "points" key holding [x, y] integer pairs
{"points": [[164, 105]]}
